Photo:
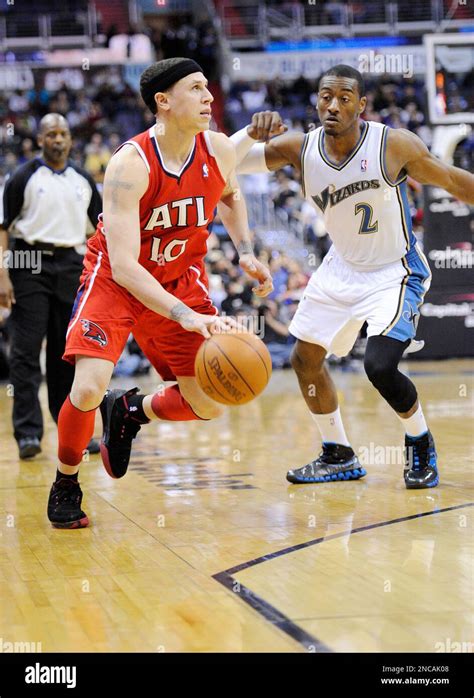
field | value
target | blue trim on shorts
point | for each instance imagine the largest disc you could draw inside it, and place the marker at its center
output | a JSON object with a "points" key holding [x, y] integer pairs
{"points": [[77, 300], [407, 214], [414, 293]]}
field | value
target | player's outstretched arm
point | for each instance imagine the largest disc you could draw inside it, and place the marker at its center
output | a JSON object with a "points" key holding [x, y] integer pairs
{"points": [[126, 180], [257, 153], [412, 155], [264, 125], [233, 213]]}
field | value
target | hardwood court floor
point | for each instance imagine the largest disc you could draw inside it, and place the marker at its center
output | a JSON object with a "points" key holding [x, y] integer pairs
{"points": [[204, 546]]}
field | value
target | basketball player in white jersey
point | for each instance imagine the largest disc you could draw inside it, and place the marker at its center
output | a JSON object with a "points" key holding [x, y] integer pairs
{"points": [[354, 172]]}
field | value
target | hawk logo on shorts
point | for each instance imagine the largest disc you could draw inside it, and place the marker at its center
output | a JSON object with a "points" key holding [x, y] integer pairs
{"points": [[94, 332]]}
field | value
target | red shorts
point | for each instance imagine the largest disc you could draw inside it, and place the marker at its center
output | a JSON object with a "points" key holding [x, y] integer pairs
{"points": [[104, 315]]}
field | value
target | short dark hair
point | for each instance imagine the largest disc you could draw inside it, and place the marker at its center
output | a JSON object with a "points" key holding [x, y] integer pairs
{"points": [[168, 71], [346, 71]]}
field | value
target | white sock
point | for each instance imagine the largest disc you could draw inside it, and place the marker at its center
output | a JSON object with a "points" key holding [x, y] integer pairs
{"points": [[416, 424], [331, 427]]}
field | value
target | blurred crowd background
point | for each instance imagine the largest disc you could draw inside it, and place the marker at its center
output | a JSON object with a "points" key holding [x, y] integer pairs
{"points": [[106, 110]]}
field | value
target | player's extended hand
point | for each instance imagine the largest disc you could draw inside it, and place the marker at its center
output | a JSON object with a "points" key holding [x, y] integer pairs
{"points": [[258, 271], [7, 297], [265, 125], [198, 322]]}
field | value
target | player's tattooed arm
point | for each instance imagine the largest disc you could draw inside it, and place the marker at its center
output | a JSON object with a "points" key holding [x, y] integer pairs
{"points": [[179, 311], [407, 152], [245, 247], [196, 322], [126, 180], [118, 184]]}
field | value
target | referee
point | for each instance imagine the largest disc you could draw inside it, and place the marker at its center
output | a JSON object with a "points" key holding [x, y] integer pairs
{"points": [[50, 205]]}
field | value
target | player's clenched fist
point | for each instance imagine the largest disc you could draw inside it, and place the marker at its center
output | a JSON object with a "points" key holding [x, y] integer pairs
{"points": [[265, 125]]}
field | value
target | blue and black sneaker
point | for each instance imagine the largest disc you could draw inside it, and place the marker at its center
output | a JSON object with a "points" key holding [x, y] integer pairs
{"points": [[334, 463], [421, 468]]}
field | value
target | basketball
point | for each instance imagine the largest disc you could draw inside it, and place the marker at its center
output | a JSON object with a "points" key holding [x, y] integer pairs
{"points": [[233, 367]]}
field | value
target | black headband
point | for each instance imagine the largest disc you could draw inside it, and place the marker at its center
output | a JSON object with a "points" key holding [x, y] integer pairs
{"points": [[168, 77]]}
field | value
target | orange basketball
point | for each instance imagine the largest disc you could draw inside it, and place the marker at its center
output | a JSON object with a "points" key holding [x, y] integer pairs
{"points": [[233, 367]]}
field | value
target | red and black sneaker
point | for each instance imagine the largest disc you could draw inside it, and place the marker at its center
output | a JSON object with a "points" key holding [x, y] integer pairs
{"points": [[120, 428], [64, 505]]}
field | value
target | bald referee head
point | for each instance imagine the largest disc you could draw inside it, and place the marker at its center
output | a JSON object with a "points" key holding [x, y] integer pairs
{"points": [[54, 139]]}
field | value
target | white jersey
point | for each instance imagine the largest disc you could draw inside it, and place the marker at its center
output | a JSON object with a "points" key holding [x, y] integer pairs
{"points": [[366, 214], [52, 206]]}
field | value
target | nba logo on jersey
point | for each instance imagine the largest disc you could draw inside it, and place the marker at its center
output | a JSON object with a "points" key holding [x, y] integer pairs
{"points": [[205, 170], [363, 165]]}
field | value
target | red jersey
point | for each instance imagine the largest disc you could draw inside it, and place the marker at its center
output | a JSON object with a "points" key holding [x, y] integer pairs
{"points": [[174, 211]]}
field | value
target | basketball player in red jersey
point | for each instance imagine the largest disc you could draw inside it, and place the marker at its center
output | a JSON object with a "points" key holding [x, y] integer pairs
{"points": [[144, 273]]}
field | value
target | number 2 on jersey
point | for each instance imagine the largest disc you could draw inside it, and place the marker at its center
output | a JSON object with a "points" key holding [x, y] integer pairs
{"points": [[366, 226]]}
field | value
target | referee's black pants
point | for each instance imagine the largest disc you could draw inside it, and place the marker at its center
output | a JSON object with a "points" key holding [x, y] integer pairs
{"points": [[43, 307]]}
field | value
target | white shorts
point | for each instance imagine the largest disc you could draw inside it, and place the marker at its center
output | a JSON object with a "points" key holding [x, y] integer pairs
{"points": [[338, 300]]}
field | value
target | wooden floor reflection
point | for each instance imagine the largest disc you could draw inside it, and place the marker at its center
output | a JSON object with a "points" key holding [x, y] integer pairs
{"points": [[204, 546]]}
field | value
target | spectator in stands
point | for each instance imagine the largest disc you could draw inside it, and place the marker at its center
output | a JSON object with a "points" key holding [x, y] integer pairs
{"points": [[410, 96], [276, 335], [277, 93], [302, 89], [254, 96], [296, 283], [283, 187], [279, 271], [78, 115], [27, 151], [207, 50], [370, 114], [334, 12], [10, 161], [132, 362], [97, 157], [111, 32], [239, 292], [411, 117], [18, 102]]}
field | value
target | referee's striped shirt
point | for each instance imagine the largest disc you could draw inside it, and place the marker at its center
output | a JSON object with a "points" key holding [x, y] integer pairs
{"points": [[54, 206]]}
